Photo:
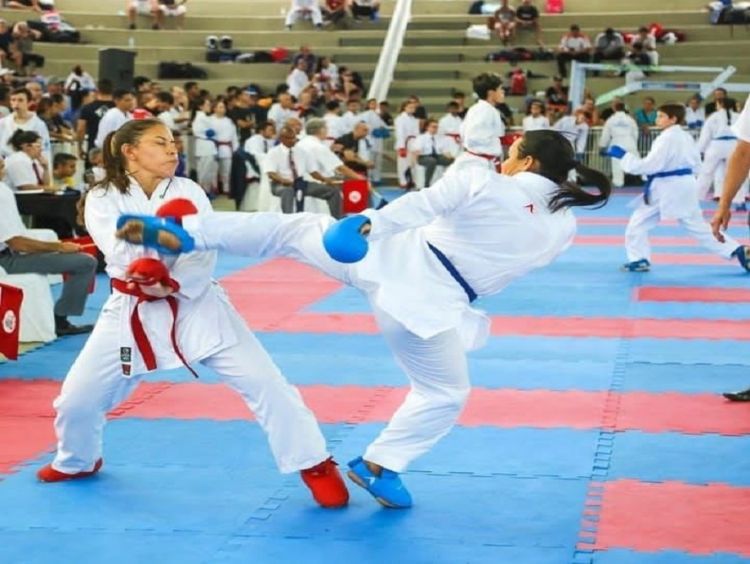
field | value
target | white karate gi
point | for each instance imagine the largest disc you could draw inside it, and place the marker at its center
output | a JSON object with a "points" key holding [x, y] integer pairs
{"points": [[227, 143], [209, 331], [348, 121], [449, 127], [257, 146], [374, 121], [206, 164], [406, 130], [493, 228], [620, 129], [296, 81], [717, 142], [674, 197], [695, 118], [482, 129], [334, 126], [302, 9], [279, 115]]}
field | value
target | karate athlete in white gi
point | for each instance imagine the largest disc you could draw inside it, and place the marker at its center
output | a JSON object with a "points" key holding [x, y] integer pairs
{"points": [[671, 192], [406, 128], [133, 333], [621, 130], [483, 128], [449, 127], [717, 141], [206, 150], [431, 254]]}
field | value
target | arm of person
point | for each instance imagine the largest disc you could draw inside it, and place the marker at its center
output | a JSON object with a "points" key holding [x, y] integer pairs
{"points": [[606, 137], [278, 179], [652, 163], [22, 244], [346, 172], [421, 208], [80, 136], [322, 179]]}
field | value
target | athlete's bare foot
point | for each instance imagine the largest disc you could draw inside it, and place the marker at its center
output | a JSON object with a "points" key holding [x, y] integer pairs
{"points": [[132, 232]]}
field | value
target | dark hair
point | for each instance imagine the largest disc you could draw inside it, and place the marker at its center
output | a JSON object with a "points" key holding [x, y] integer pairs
{"points": [[188, 85], [22, 90], [114, 161], [674, 110], [56, 98], [728, 104], [452, 104], [429, 122], [619, 106], [105, 86], [139, 81], [22, 137], [650, 98], [332, 105], [555, 159], [165, 97], [485, 82], [266, 124], [62, 158], [120, 93]]}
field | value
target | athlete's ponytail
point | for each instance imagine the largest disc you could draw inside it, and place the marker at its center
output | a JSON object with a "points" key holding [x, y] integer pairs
{"points": [[555, 159]]}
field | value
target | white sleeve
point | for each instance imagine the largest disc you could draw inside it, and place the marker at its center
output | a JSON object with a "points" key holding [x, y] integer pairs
{"points": [[100, 216], [420, 208], [582, 137], [706, 135], [20, 173], [742, 127], [10, 220], [652, 163]]}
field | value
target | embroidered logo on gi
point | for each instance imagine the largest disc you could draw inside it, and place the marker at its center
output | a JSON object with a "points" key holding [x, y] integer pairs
{"points": [[9, 321], [125, 354], [530, 207]]}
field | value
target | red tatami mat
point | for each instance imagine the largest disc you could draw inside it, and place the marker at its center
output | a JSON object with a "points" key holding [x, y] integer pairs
{"points": [[28, 398], [689, 258], [682, 294], [651, 517], [23, 438], [620, 240]]}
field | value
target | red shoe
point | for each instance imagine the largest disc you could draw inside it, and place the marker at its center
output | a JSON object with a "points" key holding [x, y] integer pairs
{"points": [[327, 485], [49, 474]]}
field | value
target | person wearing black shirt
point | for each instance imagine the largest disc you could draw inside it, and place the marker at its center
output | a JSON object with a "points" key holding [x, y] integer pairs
{"points": [[385, 113], [351, 143], [557, 95], [460, 99], [90, 116], [527, 17], [506, 114], [719, 94]]}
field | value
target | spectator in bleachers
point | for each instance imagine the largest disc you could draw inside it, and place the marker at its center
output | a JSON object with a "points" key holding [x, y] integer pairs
{"points": [[180, 108], [162, 109], [323, 158], [645, 41], [20, 254], [356, 150], [226, 141], [305, 54], [695, 115], [557, 95], [193, 93], [334, 124], [718, 94], [449, 127], [574, 128], [460, 99], [527, 17], [63, 171], [282, 110], [366, 9], [243, 114], [170, 8], [4, 100], [589, 110], [304, 9], [607, 113], [535, 118], [120, 113], [77, 84], [351, 116], [327, 72], [431, 150], [35, 5], [503, 22], [6, 38], [298, 78], [287, 165], [406, 130], [259, 144], [645, 116], [296, 124], [205, 149], [95, 173], [574, 46], [622, 130], [304, 106], [334, 11], [37, 92], [22, 118], [91, 114], [22, 47], [27, 168], [50, 110], [609, 46], [385, 113]]}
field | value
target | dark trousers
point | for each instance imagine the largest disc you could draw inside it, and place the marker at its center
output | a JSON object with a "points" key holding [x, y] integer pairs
{"points": [[332, 194], [609, 55], [563, 58], [79, 268], [430, 163]]}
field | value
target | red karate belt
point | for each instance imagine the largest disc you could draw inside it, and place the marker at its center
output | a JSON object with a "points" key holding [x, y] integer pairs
{"points": [[495, 160], [139, 334], [456, 137], [10, 320]]}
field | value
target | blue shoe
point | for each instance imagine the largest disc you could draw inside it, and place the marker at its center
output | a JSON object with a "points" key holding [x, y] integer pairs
{"points": [[742, 254], [152, 225], [387, 488], [641, 265]]}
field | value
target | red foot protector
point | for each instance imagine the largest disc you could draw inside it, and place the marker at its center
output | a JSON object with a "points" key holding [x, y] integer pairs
{"points": [[270, 292], [649, 517], [681, 294], [620, 240], [684, 413]]}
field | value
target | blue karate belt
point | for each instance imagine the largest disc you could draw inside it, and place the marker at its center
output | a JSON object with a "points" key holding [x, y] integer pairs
{"points": [[666, 174], [453, 271], [725, 138]]}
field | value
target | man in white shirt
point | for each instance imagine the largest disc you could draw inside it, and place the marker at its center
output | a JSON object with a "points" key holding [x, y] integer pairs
{"points": [[298, 79], [324, 160], [431, 150], [259, 144], [115, 117], [165, 103], [287, 165], [573, 46], [21, 254], [304, 9], [22, 118], [282, 110]]}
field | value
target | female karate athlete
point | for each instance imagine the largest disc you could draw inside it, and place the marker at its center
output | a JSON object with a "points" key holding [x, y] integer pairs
{"points": [[166, 312], [431, 253]]}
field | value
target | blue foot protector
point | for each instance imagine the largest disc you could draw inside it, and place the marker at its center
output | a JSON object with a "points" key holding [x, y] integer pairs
{"points": [[387, 488], [344, 240], [151, 227], [636, 266], [742, 254]]}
